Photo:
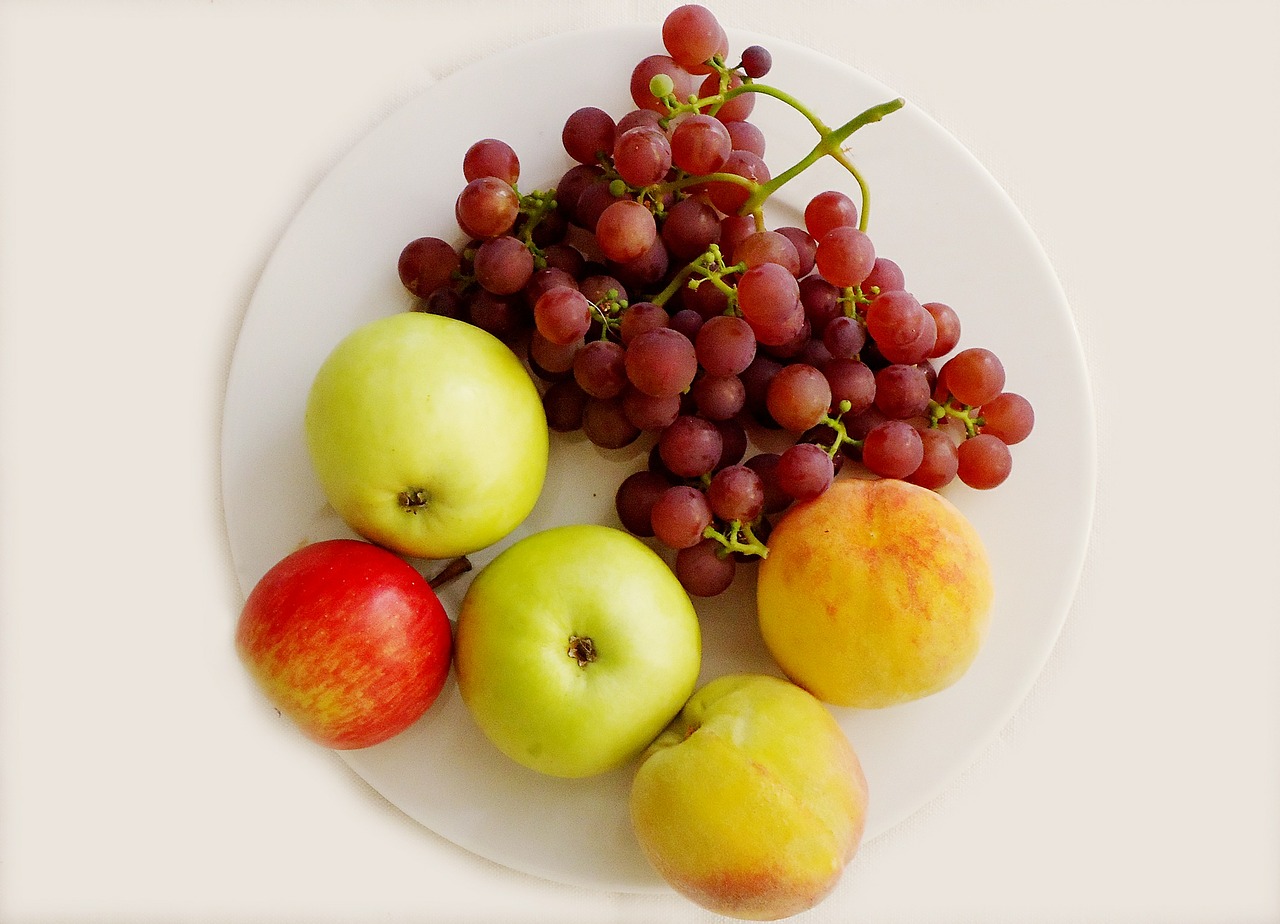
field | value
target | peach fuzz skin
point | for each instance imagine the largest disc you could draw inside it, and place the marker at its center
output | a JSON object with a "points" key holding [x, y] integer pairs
{"points": [[752, 802], [875, 593]]}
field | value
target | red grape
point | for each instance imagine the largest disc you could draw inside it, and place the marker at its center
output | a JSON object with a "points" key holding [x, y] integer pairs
{"points": [[642, 155], [588, 134], [845, 256], [1008, 416], [725, 345], [679, 516], [703, 569], [737, 109], [757, 61], [895, 318], [729, 196], [692, 36], [902, 391], [491, 157], [736, 493], [768, 247], [691, 226], [562, 315], [844, 337], [641, 317], [798, 397], [984, 461], [564, 403], [852, 381], [827, 210], [690, 447], [769, 299], [503, 265], [746, 136], [625, 230], [648, 68], [427, 264], [635, 498], [718, 397], [893, 449], [973, 376], [804, 471], [885, 276], [661, 362], [947, 325], [940, 460], [649, 412], [606, 424], [700, 144], [487, 207], [599, 369]]}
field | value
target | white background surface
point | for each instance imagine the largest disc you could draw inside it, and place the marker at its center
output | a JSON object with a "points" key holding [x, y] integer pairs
{"points": [[151, 155]]}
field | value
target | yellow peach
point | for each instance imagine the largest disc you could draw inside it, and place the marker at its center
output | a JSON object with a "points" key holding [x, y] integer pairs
{"points": [[752, 802], [874, 593]]}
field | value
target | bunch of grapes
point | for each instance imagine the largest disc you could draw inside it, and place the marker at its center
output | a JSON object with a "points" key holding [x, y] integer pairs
{"points": [[651, 298]]}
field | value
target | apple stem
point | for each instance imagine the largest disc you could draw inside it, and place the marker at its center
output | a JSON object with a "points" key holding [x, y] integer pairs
{"points": [[455, 569]]}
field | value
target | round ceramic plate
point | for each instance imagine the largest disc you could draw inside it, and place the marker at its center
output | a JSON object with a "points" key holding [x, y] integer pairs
{"points": [[934, 210]]}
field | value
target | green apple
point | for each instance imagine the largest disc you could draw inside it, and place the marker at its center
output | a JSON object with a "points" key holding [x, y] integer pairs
{"points": [[427, 435], [752, 802], [574, 648]]}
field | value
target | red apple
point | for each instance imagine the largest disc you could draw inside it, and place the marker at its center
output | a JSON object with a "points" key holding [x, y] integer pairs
{"points": [[347, 640]]}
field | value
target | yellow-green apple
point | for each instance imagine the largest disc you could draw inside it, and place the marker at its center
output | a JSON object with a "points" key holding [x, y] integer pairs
{"points": [[347, 640], [427, 435], [752, 802], [574, 648], [874, 593]]}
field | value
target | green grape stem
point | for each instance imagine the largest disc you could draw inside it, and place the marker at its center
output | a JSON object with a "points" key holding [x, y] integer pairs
{"points": [[536, 206], [709, 267], [738, 537], [608, 311], [840, 432], [966, 414], [830, 142]]}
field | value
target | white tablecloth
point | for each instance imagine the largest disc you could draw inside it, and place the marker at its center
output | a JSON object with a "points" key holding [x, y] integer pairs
{"points": [[151, 155]]}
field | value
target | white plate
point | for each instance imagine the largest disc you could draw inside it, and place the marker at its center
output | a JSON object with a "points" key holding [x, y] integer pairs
{"points": [[935, 211]]}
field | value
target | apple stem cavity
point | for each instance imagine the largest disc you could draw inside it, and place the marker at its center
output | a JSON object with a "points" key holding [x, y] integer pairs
{"points": [[582, 649], [414, 499]]}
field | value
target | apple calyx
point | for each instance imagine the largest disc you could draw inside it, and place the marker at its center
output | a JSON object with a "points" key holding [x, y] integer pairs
{"points": [[582, 649], [414, 499]]}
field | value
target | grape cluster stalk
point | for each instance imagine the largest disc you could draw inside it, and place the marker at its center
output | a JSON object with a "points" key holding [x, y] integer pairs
{"points": [[651, 298]]}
